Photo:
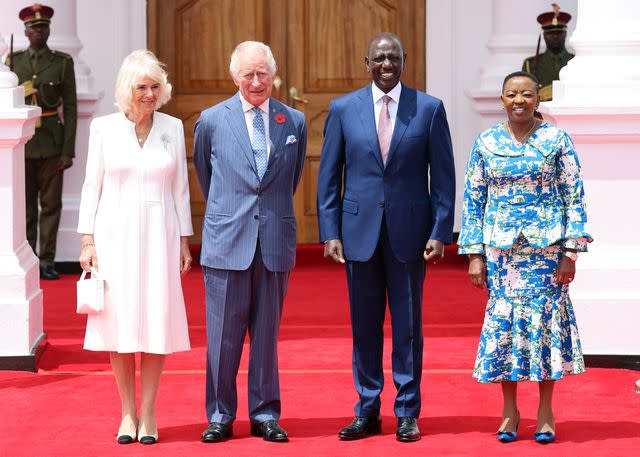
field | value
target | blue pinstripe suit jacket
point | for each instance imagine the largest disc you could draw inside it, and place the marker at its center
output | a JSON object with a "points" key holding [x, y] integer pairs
{"points": [[240, 208]]}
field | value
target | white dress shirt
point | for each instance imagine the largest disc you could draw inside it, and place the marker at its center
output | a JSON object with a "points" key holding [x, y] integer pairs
{"points": [[249, 115], [393, 104]]}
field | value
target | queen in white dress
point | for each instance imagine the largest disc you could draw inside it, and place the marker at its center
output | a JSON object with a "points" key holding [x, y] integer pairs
{"points": [[135, 222]]}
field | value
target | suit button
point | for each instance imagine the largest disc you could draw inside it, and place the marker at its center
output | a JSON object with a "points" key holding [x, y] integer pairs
{"points": [[255, 216], [381, 204]]}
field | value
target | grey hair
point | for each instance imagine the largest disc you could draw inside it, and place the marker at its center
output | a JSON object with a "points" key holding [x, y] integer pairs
{"points": [[138, 64], [235, 56]]}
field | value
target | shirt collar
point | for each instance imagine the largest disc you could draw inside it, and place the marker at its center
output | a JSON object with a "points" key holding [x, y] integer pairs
{"points": [[40, 53], [561, 56], [393, 93], [246, 106]]}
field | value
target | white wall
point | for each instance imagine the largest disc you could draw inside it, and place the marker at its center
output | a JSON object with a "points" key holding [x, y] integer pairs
{"points": [[107, 38], [457, 35]]}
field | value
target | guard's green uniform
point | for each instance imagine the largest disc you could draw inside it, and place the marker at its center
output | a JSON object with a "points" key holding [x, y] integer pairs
{"points": [[547, 70], [52, 74]]}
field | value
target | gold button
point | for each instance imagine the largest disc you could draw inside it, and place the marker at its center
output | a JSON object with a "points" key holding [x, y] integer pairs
{"points": [[35, 76]]}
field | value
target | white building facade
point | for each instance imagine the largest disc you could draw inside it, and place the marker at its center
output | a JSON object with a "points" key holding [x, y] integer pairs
{"points": [[471, 45]]}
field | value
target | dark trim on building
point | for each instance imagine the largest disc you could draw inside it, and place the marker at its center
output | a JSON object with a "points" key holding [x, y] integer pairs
{"points": [[69, 268], [25, 362], [628, 362]]}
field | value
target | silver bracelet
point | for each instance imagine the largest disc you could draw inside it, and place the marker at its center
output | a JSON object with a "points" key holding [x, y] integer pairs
{"points": [[87, 245]]}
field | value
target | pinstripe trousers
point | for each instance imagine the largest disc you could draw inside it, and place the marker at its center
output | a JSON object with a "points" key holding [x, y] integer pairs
{"points": [[237, 302]]}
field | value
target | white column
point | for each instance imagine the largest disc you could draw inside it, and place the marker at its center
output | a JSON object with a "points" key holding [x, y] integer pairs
{"points": [[64, 37], [20, 295], [514, 37], [597, 101]]}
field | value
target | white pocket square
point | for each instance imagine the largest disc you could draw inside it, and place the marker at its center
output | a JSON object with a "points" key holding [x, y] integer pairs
{"points": [[291, 139]]}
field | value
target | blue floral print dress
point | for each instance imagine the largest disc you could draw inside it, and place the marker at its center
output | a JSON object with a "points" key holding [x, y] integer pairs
{"points": [[522, 206]]}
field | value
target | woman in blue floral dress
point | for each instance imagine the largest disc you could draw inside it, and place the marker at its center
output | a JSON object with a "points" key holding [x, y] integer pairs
{"points": [[523, 225]]}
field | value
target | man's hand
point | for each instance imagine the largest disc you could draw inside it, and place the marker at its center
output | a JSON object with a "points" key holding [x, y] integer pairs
{"points": [[333, 250], [477, 271], [433, 251], [64, 163]]}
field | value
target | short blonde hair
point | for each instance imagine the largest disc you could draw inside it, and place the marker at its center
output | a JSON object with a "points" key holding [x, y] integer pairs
{"points": [[138, 64], [235, 56]]}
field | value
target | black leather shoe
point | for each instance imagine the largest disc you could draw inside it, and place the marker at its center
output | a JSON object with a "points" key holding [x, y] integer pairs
{"points": [[217, 432], [407, 429], [269, 431], [49, 273], [361, 427]]}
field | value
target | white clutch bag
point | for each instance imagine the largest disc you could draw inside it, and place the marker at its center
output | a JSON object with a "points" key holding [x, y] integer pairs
{"points": [[90, 294]]}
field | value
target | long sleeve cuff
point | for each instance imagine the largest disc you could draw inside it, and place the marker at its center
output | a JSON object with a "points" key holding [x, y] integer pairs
{"points": [[477, 248], [579, 244], [576, 229]]}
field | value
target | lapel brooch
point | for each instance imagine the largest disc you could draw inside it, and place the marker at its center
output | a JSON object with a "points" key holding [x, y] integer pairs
{"points": [[280, 118], [165, 140]]}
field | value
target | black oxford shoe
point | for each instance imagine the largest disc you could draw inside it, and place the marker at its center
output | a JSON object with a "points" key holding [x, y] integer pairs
{"points": [[361, 427], [269, 431], [407, 429], [49, 272], [217, 432]]}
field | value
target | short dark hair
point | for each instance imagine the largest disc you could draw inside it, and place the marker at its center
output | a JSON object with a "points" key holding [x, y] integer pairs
{"points": [[388, 36], [516, 74]]}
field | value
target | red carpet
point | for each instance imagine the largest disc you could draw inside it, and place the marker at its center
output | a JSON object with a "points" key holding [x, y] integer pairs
{"points": [[71, 407]]}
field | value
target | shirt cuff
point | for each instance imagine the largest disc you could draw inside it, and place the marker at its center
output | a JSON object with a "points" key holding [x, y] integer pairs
{"points": [[579, 244], [477, 248]]}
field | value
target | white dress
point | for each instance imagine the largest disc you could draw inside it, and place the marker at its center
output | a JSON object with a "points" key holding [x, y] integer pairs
{"points": [[135, 202]]}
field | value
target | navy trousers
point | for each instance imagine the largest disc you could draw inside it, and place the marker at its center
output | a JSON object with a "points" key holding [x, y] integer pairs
{"points": [[240, 301], [369, 284]]}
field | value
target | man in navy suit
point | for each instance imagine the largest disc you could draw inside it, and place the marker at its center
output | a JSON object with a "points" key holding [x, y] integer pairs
{"points": [[388, 146], [248, 152]]}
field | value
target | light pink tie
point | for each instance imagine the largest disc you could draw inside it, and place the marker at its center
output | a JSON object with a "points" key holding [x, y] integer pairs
{"points": [[384, 129]]}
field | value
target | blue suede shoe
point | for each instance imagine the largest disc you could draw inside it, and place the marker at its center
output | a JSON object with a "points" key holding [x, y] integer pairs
{"points": [[544, 437], [508, 437]]}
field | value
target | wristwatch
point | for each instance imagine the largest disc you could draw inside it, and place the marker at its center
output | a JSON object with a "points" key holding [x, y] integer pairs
{"points": [[572, 255]]}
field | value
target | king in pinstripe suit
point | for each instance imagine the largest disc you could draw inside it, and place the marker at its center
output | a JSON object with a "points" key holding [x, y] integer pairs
{"points": [[248, 152]]}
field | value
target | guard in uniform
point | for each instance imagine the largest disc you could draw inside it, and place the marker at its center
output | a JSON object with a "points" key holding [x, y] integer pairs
{"points": [[546, 66], [49, 81]]}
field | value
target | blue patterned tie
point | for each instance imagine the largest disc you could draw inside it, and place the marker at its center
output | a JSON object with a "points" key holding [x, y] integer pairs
{"points": [[259, 142]]}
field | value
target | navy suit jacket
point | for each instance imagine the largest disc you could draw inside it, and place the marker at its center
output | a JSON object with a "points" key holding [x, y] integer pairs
{"points": [[240, 208], [415, 191]]}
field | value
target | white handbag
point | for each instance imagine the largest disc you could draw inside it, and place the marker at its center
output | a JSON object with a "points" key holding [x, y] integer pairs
{"points": [[90, 294]]}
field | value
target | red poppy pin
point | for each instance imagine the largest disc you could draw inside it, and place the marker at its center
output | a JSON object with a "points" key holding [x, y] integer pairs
{"points": [[280, 118]]}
